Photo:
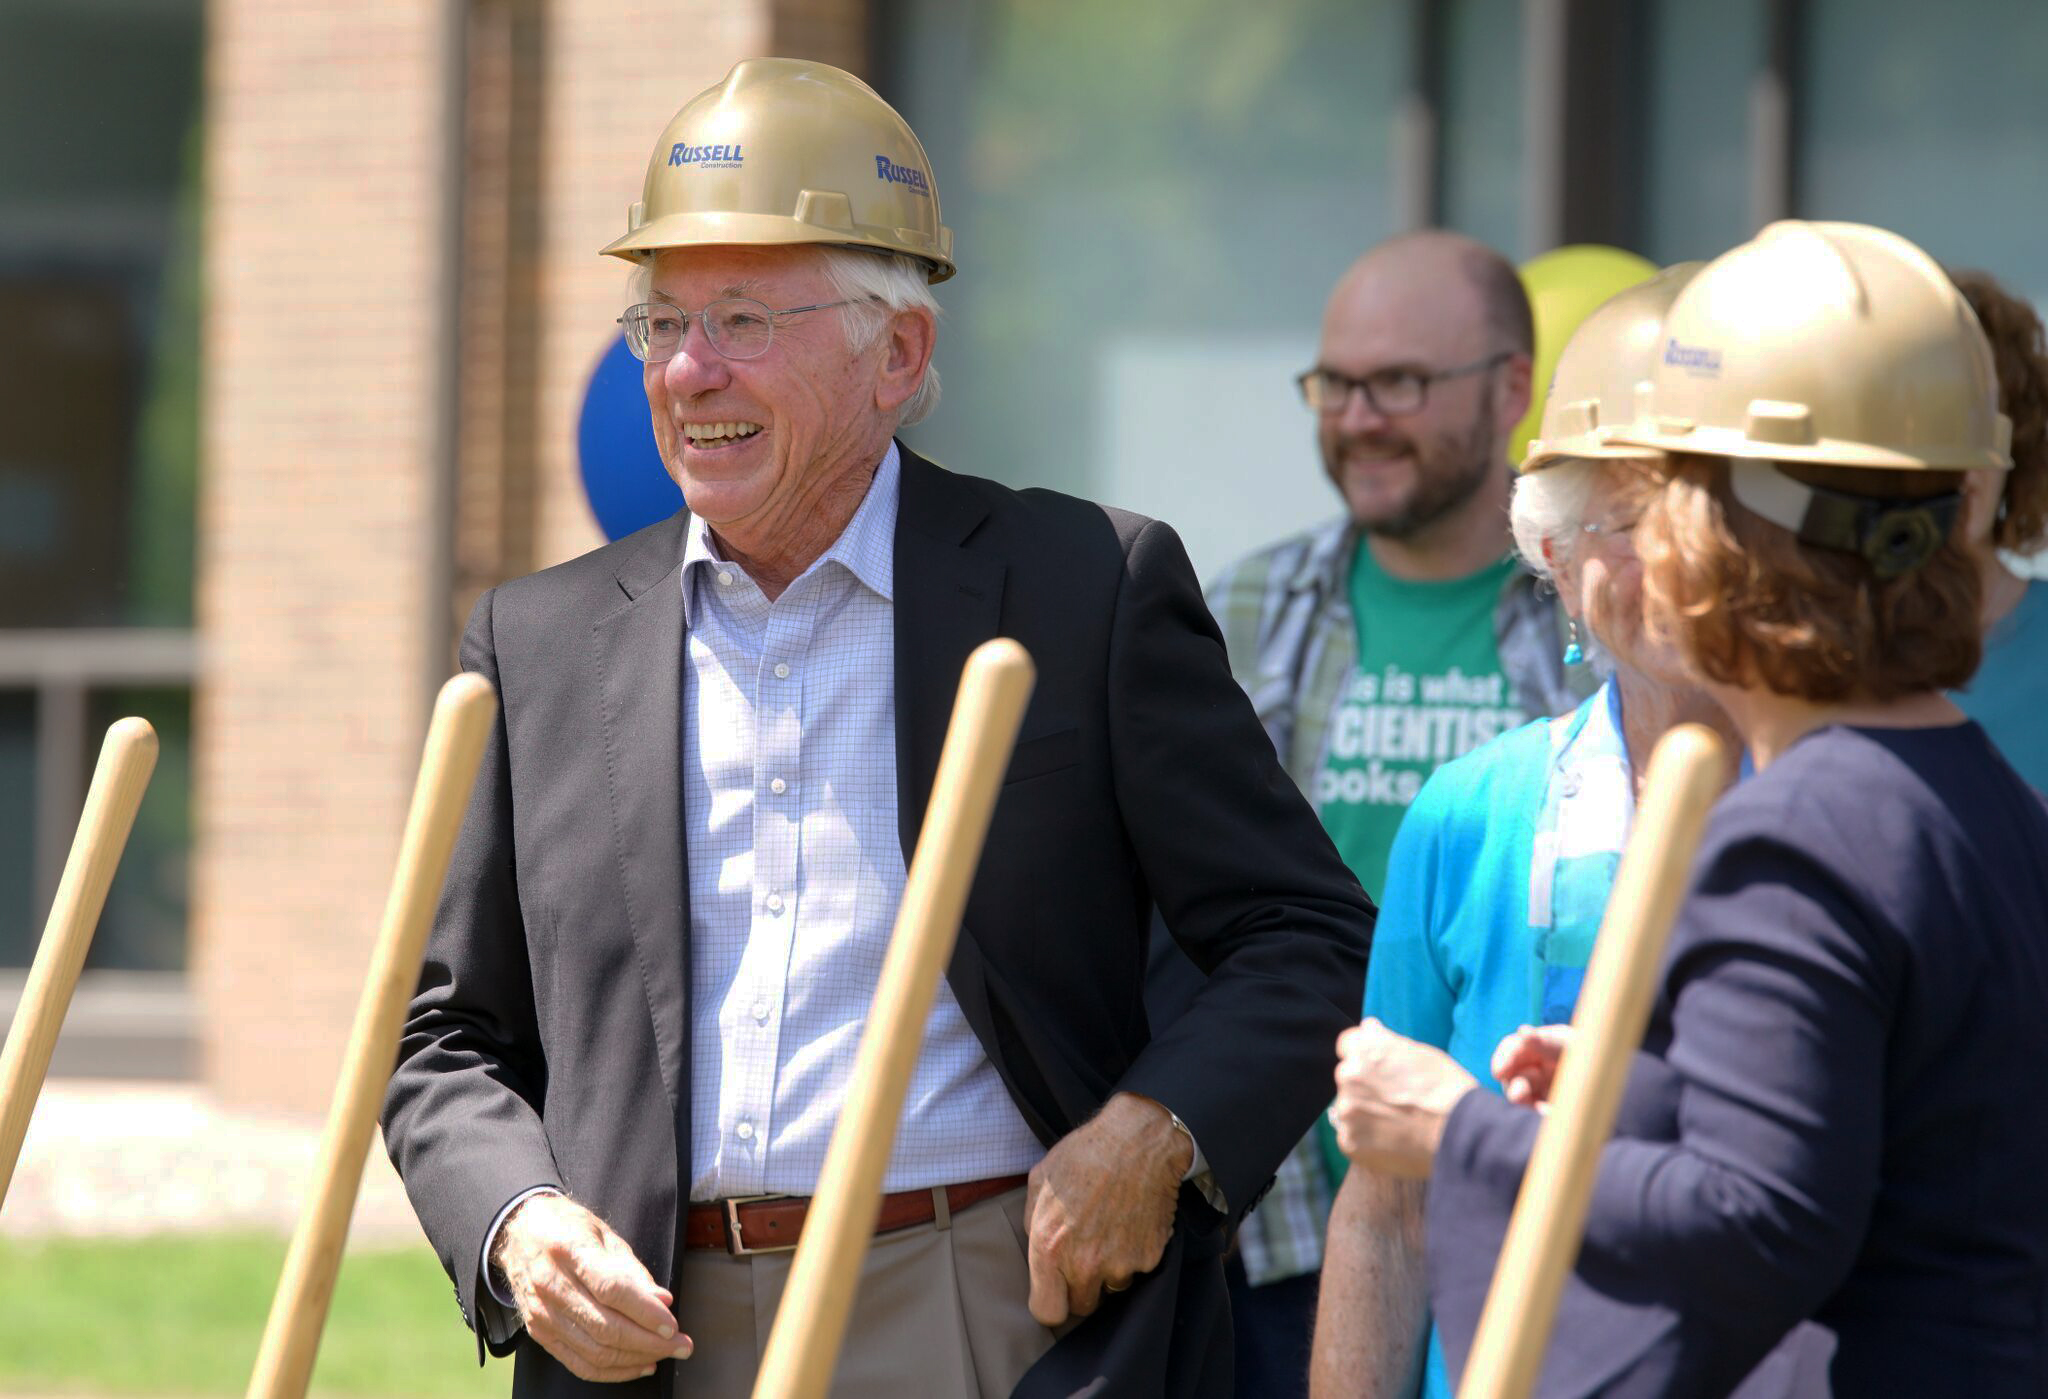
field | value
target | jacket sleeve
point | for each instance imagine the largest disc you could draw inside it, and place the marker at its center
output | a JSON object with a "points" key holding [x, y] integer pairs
{"points": [[1778, 1011], [461, 1117], [1405, 986], [1242, 874]]}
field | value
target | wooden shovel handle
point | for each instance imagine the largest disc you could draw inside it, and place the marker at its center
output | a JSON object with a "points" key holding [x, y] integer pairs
{"points": [[127, 759], [298, 1313], [1543, 1236], [803, 1347]]}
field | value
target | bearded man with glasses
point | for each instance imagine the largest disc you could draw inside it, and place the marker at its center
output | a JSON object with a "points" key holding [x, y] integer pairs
{"points": [[1385, 643], [667, 914]]}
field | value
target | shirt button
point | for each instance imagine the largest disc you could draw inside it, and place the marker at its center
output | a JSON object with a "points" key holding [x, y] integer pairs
{"points": [[724, 579], [745, 1131], [761, 1011], [778, 786], [775, 903], [782, 670]]}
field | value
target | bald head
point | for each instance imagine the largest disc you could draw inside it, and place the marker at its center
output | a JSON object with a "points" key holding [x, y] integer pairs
{"points": [[1447, 274]]}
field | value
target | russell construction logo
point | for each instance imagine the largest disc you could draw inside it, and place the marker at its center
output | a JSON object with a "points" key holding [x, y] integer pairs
{"points": [[910, 178], [705, 157], [1693, 359]]}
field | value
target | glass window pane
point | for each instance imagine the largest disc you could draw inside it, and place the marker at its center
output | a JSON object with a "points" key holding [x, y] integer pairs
{"points": [[1150, 203], [1703, 59], [99, 185], [19, 930], [1931, 121], [143, 928], [1482, 121]]}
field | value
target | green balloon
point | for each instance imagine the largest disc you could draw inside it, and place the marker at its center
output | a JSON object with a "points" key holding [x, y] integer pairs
{"points": [[1564, 286]]}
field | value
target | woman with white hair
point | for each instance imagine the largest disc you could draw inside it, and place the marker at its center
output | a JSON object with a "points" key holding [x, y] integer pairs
{"points": [[1501, 869]]}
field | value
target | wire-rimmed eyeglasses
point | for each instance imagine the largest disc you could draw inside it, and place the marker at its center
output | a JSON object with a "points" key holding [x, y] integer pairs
{"points": [[1389, 391], [738, 327]]}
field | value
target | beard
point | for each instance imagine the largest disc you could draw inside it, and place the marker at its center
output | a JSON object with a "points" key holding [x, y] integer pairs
{"points": [[1449, 470]]}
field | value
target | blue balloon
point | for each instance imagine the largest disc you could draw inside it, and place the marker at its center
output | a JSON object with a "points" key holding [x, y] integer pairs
{"points": [[623, 478]]}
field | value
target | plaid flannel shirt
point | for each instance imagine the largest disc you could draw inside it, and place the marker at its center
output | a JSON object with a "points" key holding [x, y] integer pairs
{"points": [[1286, 618]]}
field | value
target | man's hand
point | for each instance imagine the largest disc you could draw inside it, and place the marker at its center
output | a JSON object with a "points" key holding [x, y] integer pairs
{"points": [[1526, 1063], [1100, 1206], [1393, 1094], [582, 1294]]}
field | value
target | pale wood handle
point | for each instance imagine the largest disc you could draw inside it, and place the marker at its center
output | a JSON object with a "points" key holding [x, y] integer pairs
{"points": [[1684, 777], [803, 1347], [455, 743], [127, 759]]}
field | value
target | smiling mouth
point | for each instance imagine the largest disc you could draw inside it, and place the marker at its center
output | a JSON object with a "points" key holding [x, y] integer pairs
{"points": [[707, 435], [1367, 451]]}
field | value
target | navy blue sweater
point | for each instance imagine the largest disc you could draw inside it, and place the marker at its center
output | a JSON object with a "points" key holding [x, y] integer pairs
{"points": [[1838, 1114]]}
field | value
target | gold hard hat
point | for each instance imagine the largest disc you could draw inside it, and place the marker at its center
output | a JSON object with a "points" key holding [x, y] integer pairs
{"points": [[1602, 371], [786, 152], [1832, 344]]}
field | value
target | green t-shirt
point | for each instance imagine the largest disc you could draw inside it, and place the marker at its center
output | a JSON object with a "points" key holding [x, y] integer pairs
{"points": [[1428, 687]]}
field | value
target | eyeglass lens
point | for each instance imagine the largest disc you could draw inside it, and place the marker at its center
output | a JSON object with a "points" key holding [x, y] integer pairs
{"points": [[738, 327], [1389, 391]]}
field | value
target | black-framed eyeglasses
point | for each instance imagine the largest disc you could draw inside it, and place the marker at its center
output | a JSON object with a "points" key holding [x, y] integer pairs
{"points": [[738, 327], [1389, 391]]}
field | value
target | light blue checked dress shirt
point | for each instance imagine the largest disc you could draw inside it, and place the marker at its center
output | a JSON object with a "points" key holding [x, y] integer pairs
{"points": [[795, 872]]}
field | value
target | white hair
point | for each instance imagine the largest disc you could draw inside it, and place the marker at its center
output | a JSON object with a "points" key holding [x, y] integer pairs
{"points": [[879, 284], [1548, 506], [876, 284]]}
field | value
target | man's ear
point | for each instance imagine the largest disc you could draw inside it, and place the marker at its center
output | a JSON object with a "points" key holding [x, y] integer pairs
{"points": [[907, 342], [1517, 390]]}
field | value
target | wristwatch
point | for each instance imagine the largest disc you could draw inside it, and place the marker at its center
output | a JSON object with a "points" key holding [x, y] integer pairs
{"points": [[1194, 1152]]}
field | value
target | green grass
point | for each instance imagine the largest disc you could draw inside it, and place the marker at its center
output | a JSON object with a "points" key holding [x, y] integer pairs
{"points": [[179, 1315]]}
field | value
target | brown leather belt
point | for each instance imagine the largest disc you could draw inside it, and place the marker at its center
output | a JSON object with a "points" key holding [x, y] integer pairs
{"points": [[772, 1223]]}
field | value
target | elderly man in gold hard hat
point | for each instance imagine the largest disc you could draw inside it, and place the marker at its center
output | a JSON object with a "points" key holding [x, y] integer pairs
{"points": [[667, 913]]}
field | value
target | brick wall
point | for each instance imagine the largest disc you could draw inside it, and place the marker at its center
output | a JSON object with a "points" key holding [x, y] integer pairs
{"points": [[317, 413]]}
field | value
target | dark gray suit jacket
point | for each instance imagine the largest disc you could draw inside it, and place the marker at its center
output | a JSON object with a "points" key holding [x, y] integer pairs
{"points": [[548, 1041]]}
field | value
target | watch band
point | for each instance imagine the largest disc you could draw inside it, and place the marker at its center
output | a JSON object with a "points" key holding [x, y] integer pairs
{"points": [[1194, 1151]]}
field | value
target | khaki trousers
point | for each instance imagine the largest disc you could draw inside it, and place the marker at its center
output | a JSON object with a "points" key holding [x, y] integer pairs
{"points": [[941, 1312]]}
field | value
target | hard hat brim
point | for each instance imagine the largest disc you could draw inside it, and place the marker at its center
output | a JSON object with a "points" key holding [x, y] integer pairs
{"points": [[1588, 446], [1826, 451], [720, 229]]}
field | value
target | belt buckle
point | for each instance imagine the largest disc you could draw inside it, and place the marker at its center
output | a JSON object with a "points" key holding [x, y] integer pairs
{"points": [[735, 1245]]}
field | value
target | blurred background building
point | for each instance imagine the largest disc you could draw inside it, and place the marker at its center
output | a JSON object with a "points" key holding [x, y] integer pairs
{"points": [[298, 302]]}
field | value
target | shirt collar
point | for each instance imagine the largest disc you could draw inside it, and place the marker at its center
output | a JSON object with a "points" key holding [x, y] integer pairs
{"points": [[1327, 559], [866, 548]]}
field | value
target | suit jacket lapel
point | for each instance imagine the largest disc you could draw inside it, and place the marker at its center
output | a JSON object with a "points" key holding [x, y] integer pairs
{"points": [[948, 601], [639, 661]]}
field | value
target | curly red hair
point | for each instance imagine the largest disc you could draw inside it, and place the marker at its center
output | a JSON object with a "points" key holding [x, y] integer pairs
{"points": [[2020, 349], [1747, 604]]}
